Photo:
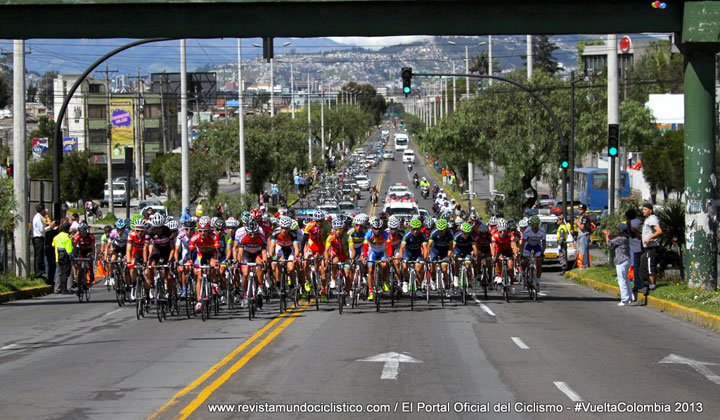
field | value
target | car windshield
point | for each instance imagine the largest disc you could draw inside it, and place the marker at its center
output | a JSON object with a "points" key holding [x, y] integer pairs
{"points": [[398, 211], [118, 187], [348, 206], [550, 227]]}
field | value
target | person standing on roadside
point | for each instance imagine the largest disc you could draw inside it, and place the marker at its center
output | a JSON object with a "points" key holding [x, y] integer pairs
{"points": [[621, 245], [584, 229], [40, 225], [49, 251], [650, 232], [635, 227], [63, 245], [74, 223]]}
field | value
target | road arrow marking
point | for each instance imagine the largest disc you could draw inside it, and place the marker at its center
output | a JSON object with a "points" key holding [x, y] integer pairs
{"points": [[391, 362], [701, 367]]}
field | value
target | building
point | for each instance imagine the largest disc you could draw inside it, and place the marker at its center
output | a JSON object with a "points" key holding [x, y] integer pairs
{"points": [[35, 110], [86, 119], [594, 57]]}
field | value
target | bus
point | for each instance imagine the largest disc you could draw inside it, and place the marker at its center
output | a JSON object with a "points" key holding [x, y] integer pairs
{"points": [[591, 187], [401, 142]]}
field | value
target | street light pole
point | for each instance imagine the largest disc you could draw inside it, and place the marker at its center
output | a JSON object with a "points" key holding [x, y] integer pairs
{"points": [[241, 120], [292, 90], [272, 87], [185, 146], [307, 104], [467, 71]]}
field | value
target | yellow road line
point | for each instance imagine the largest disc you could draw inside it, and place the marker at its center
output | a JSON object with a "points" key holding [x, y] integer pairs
{"points": [[205, 393], [197, 382]]}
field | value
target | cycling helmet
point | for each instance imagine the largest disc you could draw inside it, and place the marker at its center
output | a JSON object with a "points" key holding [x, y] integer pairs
{"points": [[189, 223], [473, 216], [376, 223], [172, 225], [256, 213], [361, 219], [291, 213], [204, 223], [107, 228], [501, 226], [138, 224], [120, 224], [295, 225], [510, 224], [319, 215], [286, 222], [231, 223], [338, 223], [534, 220], [213, 220], [459, 220], [393, 223], [523, 223], [492, 221], [245, 218], [252, 227], [442, 224], [466, 227], [415, 223], [219, 224], [430, 223], [446, 215], [483, 229], [157, 220]]}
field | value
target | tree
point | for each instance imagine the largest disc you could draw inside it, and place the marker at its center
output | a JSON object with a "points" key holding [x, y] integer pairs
{"points": [[479, 64], [7, 205], [31, 93], [663, 163], [656, 71], [368, 99], [543, 59], [78, 178], [5, 90], [46, 89]]}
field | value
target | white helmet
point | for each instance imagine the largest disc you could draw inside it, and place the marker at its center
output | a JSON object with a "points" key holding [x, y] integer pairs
{"points": [[157, 220]]}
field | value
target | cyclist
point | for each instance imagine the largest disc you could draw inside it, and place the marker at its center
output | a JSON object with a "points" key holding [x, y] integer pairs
{"points": [[357, 236], [464, 247], [396, 237], [439, 247], [182, 251], [376, 247], [158, 247], [484, 242], [252, 248], [428, 227], [315, 235], [492, 225], [226, 245], [84, 247], [265, 225], [504, 243], [412, 248], [337, 250], [115, 246], [134, 251], [284, 247], [534, 239], [104, 240], [206, 243]]}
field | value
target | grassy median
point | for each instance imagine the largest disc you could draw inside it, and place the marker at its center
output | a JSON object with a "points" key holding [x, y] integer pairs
{"points": [[13, 284], [668, 289]]}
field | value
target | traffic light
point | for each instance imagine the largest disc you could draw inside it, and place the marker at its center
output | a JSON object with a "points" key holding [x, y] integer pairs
{"points": [[613, 139], [564, 156], [402, 123], [394, 123], [406, 80]]}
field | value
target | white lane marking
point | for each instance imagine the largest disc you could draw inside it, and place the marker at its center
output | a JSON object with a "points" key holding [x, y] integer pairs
{"points": [[113, 312], [701, 367], [542, 294], [562, 386], [485, 308], [8, 347], [520, 343], [391, 362]]}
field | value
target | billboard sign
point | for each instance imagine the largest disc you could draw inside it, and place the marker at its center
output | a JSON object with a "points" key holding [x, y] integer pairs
{"points": [[69, 145], [122, 132], [39, 147]]}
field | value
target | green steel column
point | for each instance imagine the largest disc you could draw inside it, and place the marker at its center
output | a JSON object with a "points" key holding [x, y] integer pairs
{"points": [[700, 177]]}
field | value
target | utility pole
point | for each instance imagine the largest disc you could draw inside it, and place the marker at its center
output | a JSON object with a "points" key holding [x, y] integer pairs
{"points": [[440, 104], [140, 142], [490, 63], [185, 147], [529, 52], [20, 178], [454, 90], [241, 120], [613, 118], [162, 116], [292, 90], [307, 104], [467, 71], [272, 87], [111, 201], [322, 119], [447, 94]]}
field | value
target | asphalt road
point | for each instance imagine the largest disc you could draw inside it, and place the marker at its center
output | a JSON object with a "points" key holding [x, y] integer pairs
{"points": [[63, 360]]}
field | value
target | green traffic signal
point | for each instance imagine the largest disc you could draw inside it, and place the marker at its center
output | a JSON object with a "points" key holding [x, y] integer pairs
{"points": [[406, 74], [406, 90], [564, 164], [613, 152]]}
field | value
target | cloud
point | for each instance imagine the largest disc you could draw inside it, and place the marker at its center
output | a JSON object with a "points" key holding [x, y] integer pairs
{"points": [[379, 41]]}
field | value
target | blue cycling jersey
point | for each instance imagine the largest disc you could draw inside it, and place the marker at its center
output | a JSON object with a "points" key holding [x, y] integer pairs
{"points": [[463, 245], [441, 239], [412, 242]]}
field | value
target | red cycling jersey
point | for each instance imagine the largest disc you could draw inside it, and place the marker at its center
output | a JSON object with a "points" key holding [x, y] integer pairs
{"points": [[204, 244], [503, 241], [84, 245], [137, 241], [253, 244]]}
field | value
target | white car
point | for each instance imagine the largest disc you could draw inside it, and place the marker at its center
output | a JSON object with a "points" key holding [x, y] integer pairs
{"points": [[552, 250], [363, 181], [398, 188], [118, 194], [388, 154], [408, 156]]}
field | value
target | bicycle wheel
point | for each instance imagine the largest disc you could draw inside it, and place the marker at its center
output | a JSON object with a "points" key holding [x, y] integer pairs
{"points": [[413, 286], [314, 276], [506, 284], [428, 279], [391, 271], [109, 284], [216, 300], [139, 297], [485, 280], [251, 296], [160, 290], [86, 290], [80, 283], [441, 286], [340, 292], [463, 284], [283, 290], [355, 288], [532, 284], [189, 298], [203, 293], [229, 289], [378, 288]]}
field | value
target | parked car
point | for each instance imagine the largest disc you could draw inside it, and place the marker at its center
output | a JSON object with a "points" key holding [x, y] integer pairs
{"points": [[118, 194], [156, 205]]}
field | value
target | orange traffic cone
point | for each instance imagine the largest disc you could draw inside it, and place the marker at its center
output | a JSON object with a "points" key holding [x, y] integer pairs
{"points": [[100, 271]]}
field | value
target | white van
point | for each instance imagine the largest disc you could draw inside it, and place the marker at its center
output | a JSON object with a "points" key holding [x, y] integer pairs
{"points": [[401, 142], [408, 156]]}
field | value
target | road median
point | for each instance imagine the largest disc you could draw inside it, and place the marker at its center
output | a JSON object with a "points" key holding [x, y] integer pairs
{"points": [[697, 306], [25, 293]]}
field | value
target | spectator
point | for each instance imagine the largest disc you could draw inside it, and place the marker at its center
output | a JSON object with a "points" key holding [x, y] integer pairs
{"points": [[634, 228], [74, 223], [297, 183], [63, 245], [274, 192], [650, 232], [49, 251], [584, 230], [444, 176], [40, 226], [621, 245], [186, 215], [218, 212], [302, 185], [261, 196], [266, 198]]}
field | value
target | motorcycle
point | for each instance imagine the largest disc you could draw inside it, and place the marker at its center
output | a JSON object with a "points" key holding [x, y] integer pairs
{"points": [[374, 198], [409, 167], [425, 192], [93, 209], [416, 180]]}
